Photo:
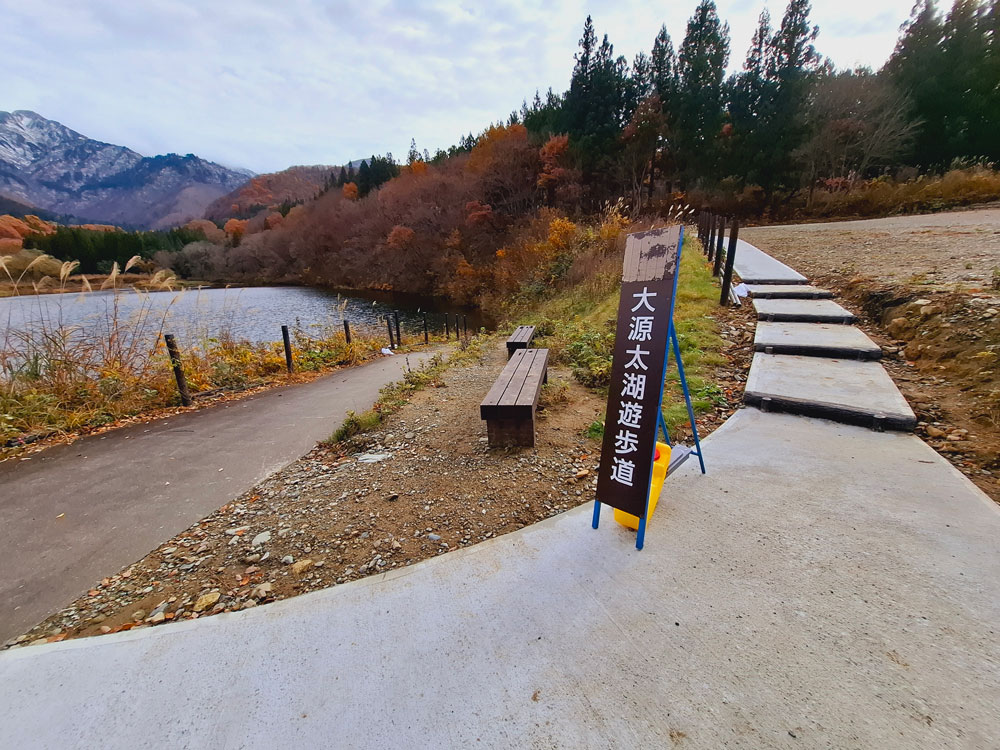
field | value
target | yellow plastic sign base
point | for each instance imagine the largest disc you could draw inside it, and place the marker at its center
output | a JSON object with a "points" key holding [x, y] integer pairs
{"points": [[659, 474]]}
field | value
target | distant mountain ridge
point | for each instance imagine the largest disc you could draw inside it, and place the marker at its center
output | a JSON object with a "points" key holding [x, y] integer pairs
{"points": [[46, 164]]}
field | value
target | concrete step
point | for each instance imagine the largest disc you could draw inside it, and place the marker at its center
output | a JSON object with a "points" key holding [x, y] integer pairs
{"points": [[756, 267], [788, 291], [815, 340], [802, 311], [841, 390]]}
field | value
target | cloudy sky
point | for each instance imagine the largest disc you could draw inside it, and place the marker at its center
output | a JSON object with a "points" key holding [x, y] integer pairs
{"points": [[264, 85]]}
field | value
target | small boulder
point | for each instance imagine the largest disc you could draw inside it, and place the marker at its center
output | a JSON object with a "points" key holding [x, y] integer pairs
{"points": [[206, 600]]}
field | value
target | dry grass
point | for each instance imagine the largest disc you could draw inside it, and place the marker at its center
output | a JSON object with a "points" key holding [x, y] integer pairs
{"points": [[58, 378], [883, 196]]}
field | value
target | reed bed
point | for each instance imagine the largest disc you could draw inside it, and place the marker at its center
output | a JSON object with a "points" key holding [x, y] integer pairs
{"points": [[60, 377]]}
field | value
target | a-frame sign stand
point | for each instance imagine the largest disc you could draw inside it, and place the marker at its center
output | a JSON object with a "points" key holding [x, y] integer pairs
{"points": [[624, 438]]}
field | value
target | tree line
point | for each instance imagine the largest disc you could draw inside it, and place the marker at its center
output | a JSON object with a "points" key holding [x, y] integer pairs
{"points": [[788, 118], [98, 249], [669, 125]]}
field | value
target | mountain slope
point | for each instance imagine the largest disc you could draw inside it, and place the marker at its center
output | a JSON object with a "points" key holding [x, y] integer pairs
{"points": [[44, 163], [294, 185]]}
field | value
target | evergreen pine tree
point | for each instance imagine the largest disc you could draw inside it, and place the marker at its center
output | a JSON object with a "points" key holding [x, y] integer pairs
{"points": [[790, 63], [914, 67], [701, 66], [663, 70], [750, 96]]}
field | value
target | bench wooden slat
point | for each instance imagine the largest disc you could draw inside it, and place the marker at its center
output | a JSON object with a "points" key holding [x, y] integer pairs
{"points": [[513, 390], [501, 383], [533, 382]]}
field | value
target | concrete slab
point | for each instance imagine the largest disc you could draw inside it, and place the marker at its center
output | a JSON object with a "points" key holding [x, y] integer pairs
{"points": [[815, 340], [843, 390], [757, 267], [802, 311], [788, 291], [823, 586]]}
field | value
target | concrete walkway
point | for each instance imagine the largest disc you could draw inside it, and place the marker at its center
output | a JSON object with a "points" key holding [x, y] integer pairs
{"points": [[76, 513], [823, 586], [756, 267], [802, 310], [804, 365]]}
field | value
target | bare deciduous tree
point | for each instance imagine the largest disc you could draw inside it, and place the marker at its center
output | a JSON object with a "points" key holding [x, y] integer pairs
{"points": [[859, 122]]}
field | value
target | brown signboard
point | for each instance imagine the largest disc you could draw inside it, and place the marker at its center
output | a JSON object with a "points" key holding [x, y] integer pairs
{"points": [[637, 369]]}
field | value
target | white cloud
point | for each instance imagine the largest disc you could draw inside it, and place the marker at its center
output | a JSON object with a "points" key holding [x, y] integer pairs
{"points": [[259, 85]]}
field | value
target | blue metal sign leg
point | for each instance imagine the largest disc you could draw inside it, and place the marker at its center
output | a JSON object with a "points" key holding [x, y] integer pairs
{"points": [[687, 395], [597, 513]]}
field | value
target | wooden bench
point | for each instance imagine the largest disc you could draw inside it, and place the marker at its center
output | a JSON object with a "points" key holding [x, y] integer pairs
{"points": [[509, 407], [520, 339]]}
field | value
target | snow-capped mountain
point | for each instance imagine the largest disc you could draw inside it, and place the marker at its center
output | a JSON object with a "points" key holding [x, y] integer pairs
{"points": [[46, 164]]}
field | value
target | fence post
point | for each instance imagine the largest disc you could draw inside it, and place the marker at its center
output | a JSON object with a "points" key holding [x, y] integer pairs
{"points": [[717, 266], [175, 363], [399, 337], [288, 348], [388, 324], [727, 276], [711, 236], [718, 245], [347, 331], [447, 328], [426, 338]]}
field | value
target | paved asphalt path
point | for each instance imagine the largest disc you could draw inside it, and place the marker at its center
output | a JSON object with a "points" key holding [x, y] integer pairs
{"points": [[75, 513]]}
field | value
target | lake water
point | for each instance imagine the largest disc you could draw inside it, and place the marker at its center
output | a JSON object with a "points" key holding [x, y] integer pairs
{"points": [[254, 313]]}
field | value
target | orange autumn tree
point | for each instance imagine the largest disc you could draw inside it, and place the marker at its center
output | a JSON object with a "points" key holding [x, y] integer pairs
{"points": [[234, 229], [350, 191], [400, 237], [506, 166]]}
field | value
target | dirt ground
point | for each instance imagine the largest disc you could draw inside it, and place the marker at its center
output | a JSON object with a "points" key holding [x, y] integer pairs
{"points": [[932, 251], [922, 287], [422, 484]]}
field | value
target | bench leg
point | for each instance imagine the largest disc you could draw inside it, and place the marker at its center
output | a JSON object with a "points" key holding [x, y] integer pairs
{"points": [[506, 433]]}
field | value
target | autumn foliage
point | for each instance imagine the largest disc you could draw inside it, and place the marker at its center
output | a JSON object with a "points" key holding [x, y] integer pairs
{"points": [[17, 229], [234, 229], [207, 229], [434, 229], [293, 185]]}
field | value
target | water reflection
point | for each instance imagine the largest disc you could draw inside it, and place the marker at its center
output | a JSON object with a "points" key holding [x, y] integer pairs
{"points": [[254, 313]]}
